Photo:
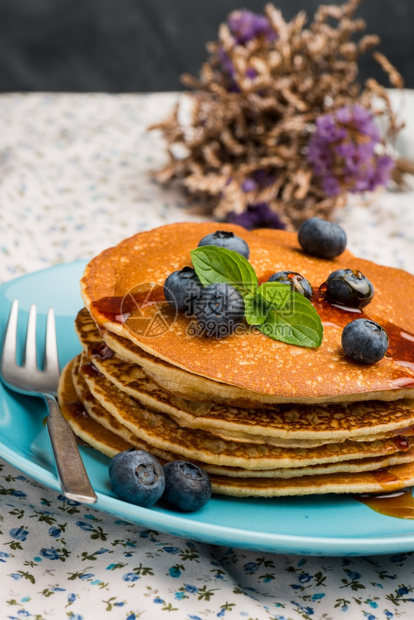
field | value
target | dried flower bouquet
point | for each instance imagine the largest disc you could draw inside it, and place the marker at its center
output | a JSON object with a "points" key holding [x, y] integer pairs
{"points": [[280, 128]]}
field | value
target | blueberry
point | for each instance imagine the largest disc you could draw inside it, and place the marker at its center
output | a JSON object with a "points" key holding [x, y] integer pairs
{"points": [[226, 239], [298, 283], [137, 477], [346, 287], [218, 309], [181, 288], [321, 238], [187, 486], [364, 341]]}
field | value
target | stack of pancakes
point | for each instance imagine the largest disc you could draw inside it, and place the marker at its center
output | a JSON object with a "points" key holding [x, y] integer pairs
{"points": [[264, 418]]}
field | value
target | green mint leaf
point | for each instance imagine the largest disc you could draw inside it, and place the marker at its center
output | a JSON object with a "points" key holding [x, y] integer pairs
{"points": [[213, 264], [275, 294], [297, 323], [255, 308], [279, 312]]}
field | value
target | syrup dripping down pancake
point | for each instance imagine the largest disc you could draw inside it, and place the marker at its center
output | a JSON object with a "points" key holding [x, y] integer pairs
{"points": [[249, 367]]}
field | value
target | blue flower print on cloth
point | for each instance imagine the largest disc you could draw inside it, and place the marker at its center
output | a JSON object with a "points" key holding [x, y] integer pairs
{"points": [[62, 559]]}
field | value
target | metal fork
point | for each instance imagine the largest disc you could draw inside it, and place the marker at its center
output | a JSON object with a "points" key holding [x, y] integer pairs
{"points": [[29, 379]]}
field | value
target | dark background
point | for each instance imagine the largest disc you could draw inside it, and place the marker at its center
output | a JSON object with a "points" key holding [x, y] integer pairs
{"points": [[145, 45]]}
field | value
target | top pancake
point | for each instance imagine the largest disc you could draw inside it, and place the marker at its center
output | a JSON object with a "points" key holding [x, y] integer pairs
{"points": [[250, 361]]}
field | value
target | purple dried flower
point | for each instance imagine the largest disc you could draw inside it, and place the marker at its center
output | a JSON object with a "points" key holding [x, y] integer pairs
{"points": [[343, 151], [258, 215], [249, 185], [226, 63], [263, 177], [251, 73], [228, 67], [246, 25]]}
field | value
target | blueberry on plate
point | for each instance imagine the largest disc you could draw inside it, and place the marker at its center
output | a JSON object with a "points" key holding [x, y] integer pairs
{"points": [[137, 477], [181, 288], [297, 283], [364, 341], [226, 239], [321, 238], [347, 287], [187, 486], [219, 309]]}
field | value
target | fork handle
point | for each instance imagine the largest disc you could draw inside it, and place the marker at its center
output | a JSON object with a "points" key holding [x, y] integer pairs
{"points": [[71, 470]]}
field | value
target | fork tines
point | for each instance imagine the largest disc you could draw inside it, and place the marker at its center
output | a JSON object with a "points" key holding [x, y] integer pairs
{"points": [[12, 372]]}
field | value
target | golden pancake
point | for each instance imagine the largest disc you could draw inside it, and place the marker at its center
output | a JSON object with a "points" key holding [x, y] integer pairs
{"points": [[191, 386], [102, 415], [348, 467], [161, 431], [290, 425], [395, 477], [81, 423], [392, 479], [255, 367]]}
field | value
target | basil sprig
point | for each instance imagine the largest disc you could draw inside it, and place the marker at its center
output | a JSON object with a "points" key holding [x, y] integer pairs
{"points": [[273, 307]]}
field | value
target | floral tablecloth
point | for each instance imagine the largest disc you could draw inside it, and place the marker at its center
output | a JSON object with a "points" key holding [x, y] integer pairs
{"points": [[74, 180]]}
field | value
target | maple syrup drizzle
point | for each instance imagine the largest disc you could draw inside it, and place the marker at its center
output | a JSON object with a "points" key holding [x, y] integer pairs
{"points": [[399, 504], [383, 477], [408, 431], [401, 347], [101, 351], [76, 409], [90, 370], [401, 342], [401, 442], [119, 308]]}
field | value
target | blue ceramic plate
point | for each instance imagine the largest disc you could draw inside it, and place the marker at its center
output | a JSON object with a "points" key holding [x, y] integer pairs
{"points": [[328, 525]]}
